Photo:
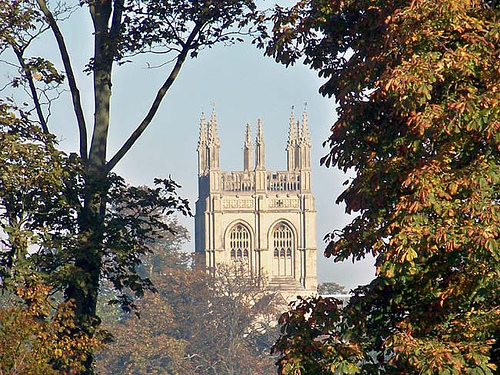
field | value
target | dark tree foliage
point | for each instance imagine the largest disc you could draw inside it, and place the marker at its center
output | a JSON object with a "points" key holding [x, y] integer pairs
{"points": [[418, 91], [41, 193]]}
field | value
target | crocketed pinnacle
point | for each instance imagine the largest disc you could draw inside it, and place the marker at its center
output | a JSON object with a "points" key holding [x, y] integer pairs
{"points": [[259, 147], [260, 135], [213, 137], [202, 141], [305, 129], [292, 136], [248, 137]]}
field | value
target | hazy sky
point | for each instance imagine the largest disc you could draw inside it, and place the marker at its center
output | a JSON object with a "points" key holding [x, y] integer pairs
{"points": [[243, 85]]}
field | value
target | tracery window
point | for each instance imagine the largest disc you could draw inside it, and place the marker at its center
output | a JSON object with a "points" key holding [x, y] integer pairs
{"points": [[239, 242], [283, 243]]}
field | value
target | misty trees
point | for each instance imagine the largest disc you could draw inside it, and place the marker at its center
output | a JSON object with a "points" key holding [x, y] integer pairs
{"points": [[102, 240], [195, 323], [331, 287], [418, 89]]}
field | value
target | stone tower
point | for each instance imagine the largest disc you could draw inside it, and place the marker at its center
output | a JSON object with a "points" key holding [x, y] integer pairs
{"points": [[265, 219]]}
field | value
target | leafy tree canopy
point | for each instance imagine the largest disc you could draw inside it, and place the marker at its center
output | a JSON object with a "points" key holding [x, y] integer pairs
{"points": [[418, 89], [41, 193]]}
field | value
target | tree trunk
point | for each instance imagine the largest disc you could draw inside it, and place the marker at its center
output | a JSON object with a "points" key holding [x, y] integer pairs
{"points": [[84, 289]]}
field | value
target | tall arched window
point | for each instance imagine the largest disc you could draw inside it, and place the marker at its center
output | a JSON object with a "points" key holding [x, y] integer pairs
{"points": [[283, 243], [239, 242]]}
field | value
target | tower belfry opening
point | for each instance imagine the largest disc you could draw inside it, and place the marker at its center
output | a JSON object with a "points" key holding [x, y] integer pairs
{"points": [[266, 219]]}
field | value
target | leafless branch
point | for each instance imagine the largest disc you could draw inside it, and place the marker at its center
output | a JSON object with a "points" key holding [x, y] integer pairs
{"points": [[156, 103], [162, 64], [75, 93], [33, 90], [9, 63], [5, 86]]}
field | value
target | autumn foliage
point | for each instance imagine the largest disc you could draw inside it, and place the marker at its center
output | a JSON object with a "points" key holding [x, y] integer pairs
{"points": [[418, 91], [196, 323], [39, 336]]}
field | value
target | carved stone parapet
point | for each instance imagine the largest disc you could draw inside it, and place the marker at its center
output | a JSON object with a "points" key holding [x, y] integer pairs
{"points": [[283, 203], [237, 203]]}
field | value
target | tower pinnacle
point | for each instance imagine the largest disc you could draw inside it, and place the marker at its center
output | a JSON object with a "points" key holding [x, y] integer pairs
{"points": [[259, 147], [303, 144], [202, 148], [248, 137], [247, 150], [291, 144], [213, 143], [305, 129], [213, 137], [291, 131], [202, 140]]}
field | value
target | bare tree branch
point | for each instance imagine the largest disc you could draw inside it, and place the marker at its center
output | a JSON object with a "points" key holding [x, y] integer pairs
{"points": [[29, 77], [75, 93], [156, 103], [117, 19]]}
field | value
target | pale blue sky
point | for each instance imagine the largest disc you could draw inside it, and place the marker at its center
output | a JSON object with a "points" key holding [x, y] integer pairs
{"points": [[244, 85]]}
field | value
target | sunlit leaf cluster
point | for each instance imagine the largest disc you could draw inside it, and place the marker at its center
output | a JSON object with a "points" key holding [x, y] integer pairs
{"points": [[39, 336]]}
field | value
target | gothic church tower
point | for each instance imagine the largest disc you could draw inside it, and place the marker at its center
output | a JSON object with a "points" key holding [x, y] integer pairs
{"points": [[265, 219]]}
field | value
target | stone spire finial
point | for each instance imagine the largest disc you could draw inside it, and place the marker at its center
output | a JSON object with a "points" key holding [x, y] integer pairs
{"points": [[303, 161], [202, 141], [247, 150], [259, 147], [299, 132], [260, 135], [305, 129], [202, 148], [292, 136], [213, 143], [248, 137], [213, 137], [291, 146]]}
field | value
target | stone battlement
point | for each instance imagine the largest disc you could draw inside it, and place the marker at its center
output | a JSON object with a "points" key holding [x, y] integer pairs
{"points": [[244, 181]]}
